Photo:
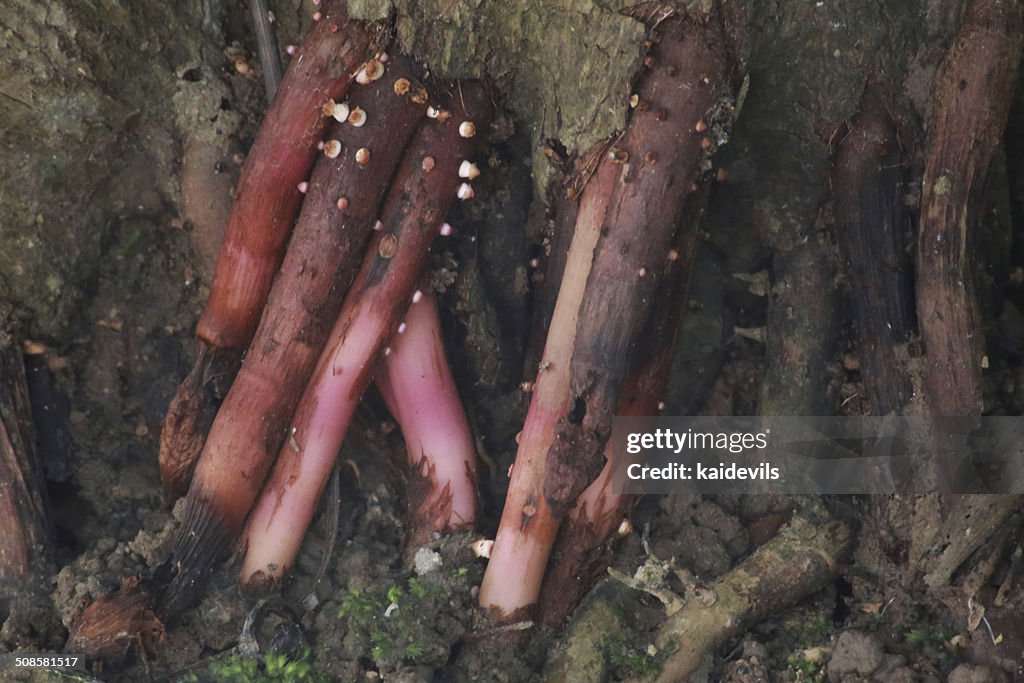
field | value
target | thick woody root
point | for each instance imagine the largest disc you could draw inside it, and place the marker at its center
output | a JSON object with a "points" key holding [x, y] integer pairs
{"points": [[973, 92], [266, 203], [798, 562], [618, 255], [427, 183], [420, 392], [600, 512], [341, 208], [867, 178]]}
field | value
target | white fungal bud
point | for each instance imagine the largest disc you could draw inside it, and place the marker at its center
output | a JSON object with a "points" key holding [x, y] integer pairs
{"points": [[417, 296], [370, 72], [428, 164], [482, 547], [342, 203], [625, 528], [432, 112], [362, 156], [446, 230], [387, 351], [382, 57], [469, 170], [303, 187], [317, 16], [291, 49], [465, 192], [402, 327], [467, 129], [378, 226], [340, 112], [357, 117], [320, 145], [332, 148]]}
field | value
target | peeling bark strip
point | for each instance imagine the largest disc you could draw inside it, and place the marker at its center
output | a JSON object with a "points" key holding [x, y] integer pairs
{"points": [[658, 160], [618, 253], [796, 563], [411, 219], [973, 92], [867, 178], [266, 203], [598, 511], [321, 261], [418, 387], [25, 534]]}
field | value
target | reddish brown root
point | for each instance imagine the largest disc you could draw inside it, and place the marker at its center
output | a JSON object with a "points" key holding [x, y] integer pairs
{"points": [[373, 310], [266, 203]]}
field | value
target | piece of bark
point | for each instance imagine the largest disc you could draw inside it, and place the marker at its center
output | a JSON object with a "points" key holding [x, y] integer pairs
{"points": [[973, 91], [266, 203], [341, 207], [871, 215]]}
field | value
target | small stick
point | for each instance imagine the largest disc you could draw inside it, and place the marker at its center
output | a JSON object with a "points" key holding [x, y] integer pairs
{"points": [[266, 203], [266, 45], [424, 189], [420, 392], [338, 216]]}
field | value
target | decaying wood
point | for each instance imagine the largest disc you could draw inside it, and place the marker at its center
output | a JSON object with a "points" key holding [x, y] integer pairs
{"points": [[338, 215], [267, 201], [871, 217], [972, 95]]}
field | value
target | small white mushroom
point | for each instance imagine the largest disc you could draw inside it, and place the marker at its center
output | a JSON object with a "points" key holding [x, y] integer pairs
{"points": [[378, 226], [465, 192], [428, 164], [469, 170], [357, 117], [362, 156], [432, 112], [370, 72], [340, 111], [332, 148], [446, 230], [303, 187], [417, 296], [402, 327], [482, 547], [467, 129]]}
